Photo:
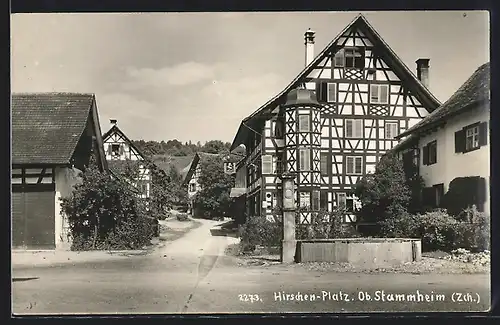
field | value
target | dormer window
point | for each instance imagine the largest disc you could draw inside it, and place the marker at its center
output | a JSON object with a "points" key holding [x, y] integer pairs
{"points": [[353, 58]]}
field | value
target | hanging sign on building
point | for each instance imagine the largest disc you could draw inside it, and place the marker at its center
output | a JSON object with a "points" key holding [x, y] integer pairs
{"points": [[229, 167]]}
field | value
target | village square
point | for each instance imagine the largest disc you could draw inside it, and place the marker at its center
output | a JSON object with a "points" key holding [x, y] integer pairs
{"points": [[340, 170]]}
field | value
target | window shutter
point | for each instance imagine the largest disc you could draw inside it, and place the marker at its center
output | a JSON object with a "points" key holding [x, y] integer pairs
{"points": [[332, 92], [121, 149], [459, 141], [483, 134], [374, 94], [358, 168], [425, 158], [348, 128], [350, 165], [384, 89], [322, 90], [110, 149], [358, 128]]}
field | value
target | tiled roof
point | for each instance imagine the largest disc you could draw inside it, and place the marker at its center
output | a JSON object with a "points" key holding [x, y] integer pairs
{"points": [[46, 127], [475, 90]]}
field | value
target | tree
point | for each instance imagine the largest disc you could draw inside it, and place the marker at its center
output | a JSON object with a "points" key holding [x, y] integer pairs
{"points": [[213, 198], [386, 193]]}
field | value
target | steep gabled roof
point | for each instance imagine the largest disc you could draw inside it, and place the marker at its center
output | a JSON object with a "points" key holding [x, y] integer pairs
{"points": [[419, 90], [116, 129], [46, 127], [474, 91]]}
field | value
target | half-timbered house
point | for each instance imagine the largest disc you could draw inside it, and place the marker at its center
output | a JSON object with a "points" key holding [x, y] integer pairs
{"points": [[192, 176], [452, 143], [119, 151], [360, 97], [54, 136]]}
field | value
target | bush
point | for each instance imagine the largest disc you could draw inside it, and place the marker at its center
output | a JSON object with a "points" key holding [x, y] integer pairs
{"points": [[403, 226], [440, 231], [105, 212], [260, 231]]}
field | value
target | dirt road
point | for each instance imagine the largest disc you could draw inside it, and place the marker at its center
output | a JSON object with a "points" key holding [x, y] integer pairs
{"points": [[191, 275]]}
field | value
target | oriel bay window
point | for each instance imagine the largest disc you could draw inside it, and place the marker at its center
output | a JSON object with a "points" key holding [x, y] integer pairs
{"points": [[304, 159], [471, 137]]}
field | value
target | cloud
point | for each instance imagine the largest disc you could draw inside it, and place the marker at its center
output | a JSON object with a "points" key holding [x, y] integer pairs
{"points": [[183, 74]]}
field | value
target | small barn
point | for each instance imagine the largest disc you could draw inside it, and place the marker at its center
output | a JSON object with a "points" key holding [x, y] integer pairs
{"points": [[54, 136]]}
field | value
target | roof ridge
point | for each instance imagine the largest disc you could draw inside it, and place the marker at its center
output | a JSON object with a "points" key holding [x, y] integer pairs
{"points": [[52, 93]]}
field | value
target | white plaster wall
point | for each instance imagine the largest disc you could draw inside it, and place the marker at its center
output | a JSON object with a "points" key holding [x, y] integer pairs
{"points": [[450, 164], [65, 178]]}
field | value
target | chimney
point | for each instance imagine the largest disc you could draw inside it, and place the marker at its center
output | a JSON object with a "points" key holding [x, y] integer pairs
{"points": [[309, 42], [113, 122], [423, 71]]}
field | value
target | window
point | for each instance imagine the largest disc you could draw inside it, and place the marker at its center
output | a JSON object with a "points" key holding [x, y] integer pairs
{"points": [[331, 94], [324, 163], [341, 199], [379, 94], [278, 167], [279, 129], [471, 137], [339, 59], [354, 165], [192, 187], [354, 58], [305, 157], [323, 200], [326, 92], [116, 149], [315, 201], [354, 128], [349, 204], [305, 199], [391, 130], [304, 125], [429, 155], [267, 164]]}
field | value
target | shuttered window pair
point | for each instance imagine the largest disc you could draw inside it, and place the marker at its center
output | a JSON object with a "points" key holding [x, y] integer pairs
{"points": [[326, 92], [429, 154], [353, 128], [379, 94], [471, 137]]}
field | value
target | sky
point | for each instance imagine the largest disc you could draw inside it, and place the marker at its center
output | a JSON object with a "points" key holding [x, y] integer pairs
{"points": [[195, 76]]}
